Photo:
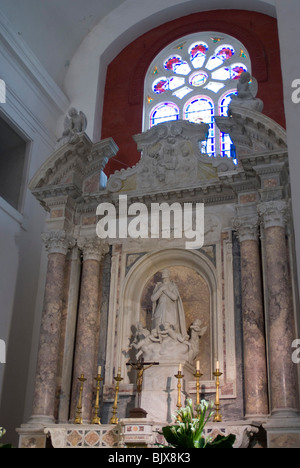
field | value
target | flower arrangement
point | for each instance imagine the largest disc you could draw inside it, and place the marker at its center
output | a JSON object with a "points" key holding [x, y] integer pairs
{"points": [[2, 433], [189, 431]]}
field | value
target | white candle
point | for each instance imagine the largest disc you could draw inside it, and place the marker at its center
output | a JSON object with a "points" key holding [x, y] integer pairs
{"points": [[119, 371], [198, 366], [218, 365], [180, 368], [99, 370]]}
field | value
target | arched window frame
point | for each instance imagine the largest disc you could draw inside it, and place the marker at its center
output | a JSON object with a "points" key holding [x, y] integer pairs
{"points": [[204, 114], [173, 114], [225, 140], [190, 68]]}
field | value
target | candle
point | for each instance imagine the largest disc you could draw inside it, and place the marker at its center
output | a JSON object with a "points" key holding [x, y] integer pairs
{"points": [[218, 365], [119, 371], [99, 370], [198, 366], [180, 368]]}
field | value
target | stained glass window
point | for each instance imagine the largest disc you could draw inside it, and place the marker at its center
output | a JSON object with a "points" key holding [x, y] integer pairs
{"points": [[201, 110], [193, 79], [225, 140], [164, 112]]}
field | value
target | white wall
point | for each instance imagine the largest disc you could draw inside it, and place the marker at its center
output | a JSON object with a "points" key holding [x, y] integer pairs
{"points": [[33, 105], [288, 14]]}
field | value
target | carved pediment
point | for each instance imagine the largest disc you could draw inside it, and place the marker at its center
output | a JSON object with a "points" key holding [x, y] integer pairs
{"points": [[171, 159], [73, 169], [252, 132]]}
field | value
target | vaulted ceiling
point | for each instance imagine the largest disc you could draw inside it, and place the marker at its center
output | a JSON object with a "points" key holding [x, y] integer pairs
{"points": [[54, 29]]}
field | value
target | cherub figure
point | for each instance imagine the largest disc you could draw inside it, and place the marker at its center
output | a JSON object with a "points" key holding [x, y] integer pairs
{"points": [[74, 124], [246, 95], [143, 339]]}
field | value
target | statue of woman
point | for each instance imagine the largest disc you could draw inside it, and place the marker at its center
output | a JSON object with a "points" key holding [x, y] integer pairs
{"points": [[167, 305]]}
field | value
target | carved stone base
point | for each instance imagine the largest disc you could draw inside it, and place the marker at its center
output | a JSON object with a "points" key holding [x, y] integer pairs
{"points": [[85, 436], [131, 432], [283, 430], [160, 396]]}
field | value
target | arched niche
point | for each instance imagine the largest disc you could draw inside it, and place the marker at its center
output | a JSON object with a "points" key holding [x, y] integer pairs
{"points": [[141, 275]]}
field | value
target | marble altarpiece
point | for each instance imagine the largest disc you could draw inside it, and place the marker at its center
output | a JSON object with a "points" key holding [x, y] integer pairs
{"points": [[238, 288]]}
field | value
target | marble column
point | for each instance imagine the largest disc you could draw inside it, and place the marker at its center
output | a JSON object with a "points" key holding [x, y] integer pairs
{"points": [[281, 324], [87, 340], [255, 363], [57, 245]]}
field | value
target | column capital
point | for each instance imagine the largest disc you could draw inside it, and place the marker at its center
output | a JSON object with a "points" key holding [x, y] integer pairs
{"points": [[274, 213], [92, 248], [58, 242], [246, 227]]}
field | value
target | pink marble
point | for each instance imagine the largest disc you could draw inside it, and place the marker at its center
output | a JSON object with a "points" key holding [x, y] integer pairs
{"points": [[283, 373], [87, 336], [46, 374], [255, 368]]}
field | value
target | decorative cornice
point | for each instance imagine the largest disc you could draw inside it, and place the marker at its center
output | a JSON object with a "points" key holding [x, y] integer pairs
{"points": [[92, 248], [58, 242], [274, 213]]}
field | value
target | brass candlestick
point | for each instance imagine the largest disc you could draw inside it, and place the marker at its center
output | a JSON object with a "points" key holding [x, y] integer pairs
{"points": [[78, 417], [218, 416], [198, 376], [96, 418], [179, 377], [114, 419]]}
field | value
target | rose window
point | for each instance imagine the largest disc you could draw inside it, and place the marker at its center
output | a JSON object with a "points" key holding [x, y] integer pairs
{"points": [[193, 79]]}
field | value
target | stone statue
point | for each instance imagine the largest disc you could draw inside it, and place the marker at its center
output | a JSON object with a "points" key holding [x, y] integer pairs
{"points": [[144, 338], [165, 344], [246, 95], [167, 305], [75, 123], [168, 340]]}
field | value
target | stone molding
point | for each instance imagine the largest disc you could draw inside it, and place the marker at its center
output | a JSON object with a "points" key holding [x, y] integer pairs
{"points": [[92, 248], [253, 133], [274, 213], [58, 242]]}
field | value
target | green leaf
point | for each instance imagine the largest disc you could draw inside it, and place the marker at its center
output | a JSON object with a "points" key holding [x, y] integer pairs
{"points": [[222, 442], [200, 443]]}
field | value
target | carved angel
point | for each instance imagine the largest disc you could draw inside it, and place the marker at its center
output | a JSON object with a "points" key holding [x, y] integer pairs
{"points": [[75, 123]]}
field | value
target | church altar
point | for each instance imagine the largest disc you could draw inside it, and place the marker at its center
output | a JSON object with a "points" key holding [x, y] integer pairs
{"points": [[129, 433], [150, 296]]}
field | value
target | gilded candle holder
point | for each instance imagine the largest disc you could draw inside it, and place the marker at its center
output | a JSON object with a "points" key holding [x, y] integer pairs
{"points": [[78, 417], [198, 376], [96, 419], [218, 416], [114, 419], [179, 377]]}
